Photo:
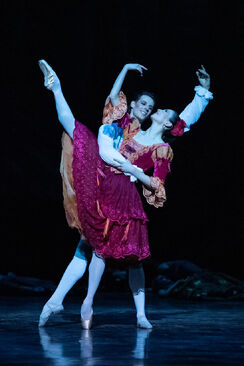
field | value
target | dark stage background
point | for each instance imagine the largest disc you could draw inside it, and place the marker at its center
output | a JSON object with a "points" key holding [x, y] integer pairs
{"points": [[87, 43]]}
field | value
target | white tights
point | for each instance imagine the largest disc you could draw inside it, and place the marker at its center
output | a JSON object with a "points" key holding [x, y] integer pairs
{"points": [[96, 269], [137, 286], [76, 270], [72, 274]]}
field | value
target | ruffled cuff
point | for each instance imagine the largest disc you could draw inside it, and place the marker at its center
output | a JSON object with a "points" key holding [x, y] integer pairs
{"points": [[202, 92], [113, 113], [157, 197]]}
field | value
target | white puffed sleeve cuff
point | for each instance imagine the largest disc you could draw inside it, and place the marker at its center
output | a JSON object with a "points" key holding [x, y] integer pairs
{"points": [[193, 110], [202, 92]]}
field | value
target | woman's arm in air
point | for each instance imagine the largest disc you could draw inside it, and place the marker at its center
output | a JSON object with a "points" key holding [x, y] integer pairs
{"points": [[52, 82], [193, 111]]}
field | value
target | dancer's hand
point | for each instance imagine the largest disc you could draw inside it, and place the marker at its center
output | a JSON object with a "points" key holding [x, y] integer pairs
{"points": [[137, 67], [125, 166], [203, 77], [51, 81]]}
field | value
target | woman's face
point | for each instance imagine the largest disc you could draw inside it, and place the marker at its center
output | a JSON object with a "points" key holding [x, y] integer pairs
{"points": [[162, 117], [142, 107]]}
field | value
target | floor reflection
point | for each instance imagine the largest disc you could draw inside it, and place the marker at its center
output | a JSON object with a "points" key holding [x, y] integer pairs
{"points": [[86, 349], [55, 350], [140, 351]]}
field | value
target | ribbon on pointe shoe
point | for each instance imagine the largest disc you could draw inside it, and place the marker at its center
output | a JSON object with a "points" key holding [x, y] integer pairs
{"points": [[47, 72], [47, 311]]}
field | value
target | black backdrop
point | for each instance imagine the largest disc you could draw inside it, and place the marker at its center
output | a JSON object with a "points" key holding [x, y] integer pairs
{"points": [[87, 43]]}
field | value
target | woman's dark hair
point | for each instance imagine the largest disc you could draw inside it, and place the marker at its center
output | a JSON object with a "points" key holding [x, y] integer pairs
{"points": [[168, 137]]}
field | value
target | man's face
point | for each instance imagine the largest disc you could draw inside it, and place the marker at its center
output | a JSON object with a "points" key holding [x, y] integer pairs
{"points": [[142, 108]]}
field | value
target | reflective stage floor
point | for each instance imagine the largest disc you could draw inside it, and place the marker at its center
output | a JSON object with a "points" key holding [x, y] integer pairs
{"points": [[184, 333]]}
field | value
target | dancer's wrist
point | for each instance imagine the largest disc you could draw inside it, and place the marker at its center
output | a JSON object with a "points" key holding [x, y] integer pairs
{"points": [[134, 171]]}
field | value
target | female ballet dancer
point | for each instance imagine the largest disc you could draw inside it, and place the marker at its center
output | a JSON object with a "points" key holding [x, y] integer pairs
{"points": [[140, 109]]}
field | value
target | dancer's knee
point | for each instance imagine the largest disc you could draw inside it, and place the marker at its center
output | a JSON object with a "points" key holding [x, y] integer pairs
{"points": [[79, 261], [98, 257], [78, 267], [83, 250], [97, 263]]}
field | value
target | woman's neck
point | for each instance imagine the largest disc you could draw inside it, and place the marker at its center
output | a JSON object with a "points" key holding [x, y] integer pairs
{"points": [[155, 132]]}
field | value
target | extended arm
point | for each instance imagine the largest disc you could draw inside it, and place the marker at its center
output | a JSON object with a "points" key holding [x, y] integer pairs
{"points": [[193, 111], [106, 146], [108, 152], [142, 177], [114, 94], [51, 82], [127, 167]]}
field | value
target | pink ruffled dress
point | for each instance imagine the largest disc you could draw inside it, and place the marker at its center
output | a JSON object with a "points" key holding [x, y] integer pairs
{"points": [[99, 200]]}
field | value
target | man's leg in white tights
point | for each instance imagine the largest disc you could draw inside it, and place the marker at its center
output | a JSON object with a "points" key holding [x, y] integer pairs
{"points": [[96, 269], [137, 286], [72, 274]]}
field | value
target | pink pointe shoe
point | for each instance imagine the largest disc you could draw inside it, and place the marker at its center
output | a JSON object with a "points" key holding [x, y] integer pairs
{"points": [[86, 320], [87, 323], [47, 72], [51, 81], [49, 309]]}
